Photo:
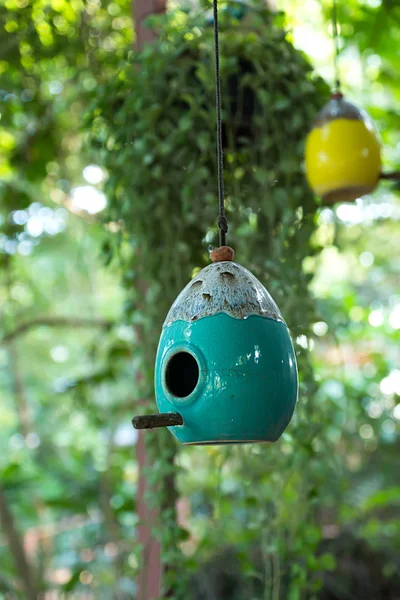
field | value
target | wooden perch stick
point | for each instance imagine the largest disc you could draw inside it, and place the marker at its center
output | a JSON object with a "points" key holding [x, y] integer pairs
{"points": [[160, 420]]}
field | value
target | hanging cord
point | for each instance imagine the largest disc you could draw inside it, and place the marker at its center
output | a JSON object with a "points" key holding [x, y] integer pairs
{"points": [[222, 220], [335, 32]]}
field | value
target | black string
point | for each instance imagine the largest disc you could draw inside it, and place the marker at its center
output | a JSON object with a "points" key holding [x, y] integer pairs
{"points": [[335, 32], [222, 221]]}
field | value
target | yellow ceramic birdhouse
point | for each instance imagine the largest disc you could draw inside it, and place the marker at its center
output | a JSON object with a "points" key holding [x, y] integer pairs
{"points": [[343, 152]]}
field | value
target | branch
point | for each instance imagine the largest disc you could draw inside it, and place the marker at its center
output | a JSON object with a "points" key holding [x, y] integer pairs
{"points": [[54, 322], [16, 547], [394, 176]]}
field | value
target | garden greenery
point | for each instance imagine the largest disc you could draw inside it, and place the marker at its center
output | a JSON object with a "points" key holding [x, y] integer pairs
{"points": [[153, 129], [264, 522]]}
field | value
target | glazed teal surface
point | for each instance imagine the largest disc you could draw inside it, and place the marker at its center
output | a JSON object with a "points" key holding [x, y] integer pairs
{"points": [[247, 386]]}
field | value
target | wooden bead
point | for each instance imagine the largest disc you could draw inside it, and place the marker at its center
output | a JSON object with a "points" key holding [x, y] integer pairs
{"points": [[222, 253]]}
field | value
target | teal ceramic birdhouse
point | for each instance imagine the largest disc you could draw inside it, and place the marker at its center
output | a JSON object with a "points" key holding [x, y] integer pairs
{"points": [[225, 360]]}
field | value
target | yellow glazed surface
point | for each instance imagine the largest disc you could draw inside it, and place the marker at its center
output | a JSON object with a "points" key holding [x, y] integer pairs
{"points": [[343, 159]]}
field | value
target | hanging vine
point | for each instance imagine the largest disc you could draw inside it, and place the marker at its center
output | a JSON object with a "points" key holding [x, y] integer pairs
{"points": [[153, 129]]}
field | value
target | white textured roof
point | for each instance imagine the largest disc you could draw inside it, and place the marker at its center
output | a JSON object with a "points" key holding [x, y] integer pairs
{"points": [[223, 287]]}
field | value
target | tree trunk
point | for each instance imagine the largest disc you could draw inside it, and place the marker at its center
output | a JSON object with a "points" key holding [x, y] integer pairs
{"points": [[16, 547], [19, 392], [149, 580], [141, 9]]}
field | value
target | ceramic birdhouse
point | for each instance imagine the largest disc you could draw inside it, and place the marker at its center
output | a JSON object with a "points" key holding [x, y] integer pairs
{"points": [[343, 153], [225, 360]]}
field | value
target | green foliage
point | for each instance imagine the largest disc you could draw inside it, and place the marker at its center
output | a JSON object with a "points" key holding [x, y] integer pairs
{"points": [[52, 56], [57, 427], [275, 522], [157, 116], [153, 127]]}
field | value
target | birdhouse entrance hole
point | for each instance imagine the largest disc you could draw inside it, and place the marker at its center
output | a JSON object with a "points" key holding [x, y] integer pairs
{"points": [[182, 374]]}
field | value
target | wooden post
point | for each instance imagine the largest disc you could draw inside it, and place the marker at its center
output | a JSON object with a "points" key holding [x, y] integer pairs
{"points": [[149, 580]]}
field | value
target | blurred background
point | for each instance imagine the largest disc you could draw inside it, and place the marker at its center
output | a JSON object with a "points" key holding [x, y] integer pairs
{"points": [[107, 201]]}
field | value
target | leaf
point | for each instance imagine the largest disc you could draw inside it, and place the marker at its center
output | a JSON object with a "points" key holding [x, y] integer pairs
{"points": [[383, 498]]}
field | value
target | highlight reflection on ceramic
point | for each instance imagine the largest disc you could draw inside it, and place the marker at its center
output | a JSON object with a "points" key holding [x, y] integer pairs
{"points": [[233, 379]]}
